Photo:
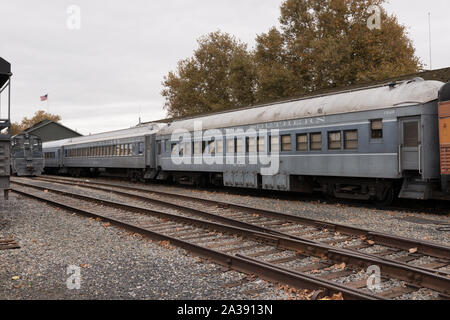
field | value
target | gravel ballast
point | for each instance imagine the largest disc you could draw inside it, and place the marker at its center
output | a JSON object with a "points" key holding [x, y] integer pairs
{"points": [[114, 264], [400, 222]]}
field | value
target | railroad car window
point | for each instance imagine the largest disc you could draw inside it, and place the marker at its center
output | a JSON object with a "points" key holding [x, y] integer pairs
{"points": [[187, 149], [197, 148], [261, 144], [230, 146], [376, 127], [286, 143], [239, 145], [181, 149], [334, 140], [141, 148], [203, 147], [411, 134], [351, 139], [167, 146], [117, 150], [302, 142], [274, 144], [219, 146], [251, 145], [316, 141], [174, 149], [159, 147], [212, 147]]}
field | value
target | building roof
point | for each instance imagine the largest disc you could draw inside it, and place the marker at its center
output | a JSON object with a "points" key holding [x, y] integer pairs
{"points": [[400, 94], [44, 123]]}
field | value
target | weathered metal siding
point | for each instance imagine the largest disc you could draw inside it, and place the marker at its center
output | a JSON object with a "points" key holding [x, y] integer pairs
{"points": [[4, 164], [374, 158], [444, 135]]}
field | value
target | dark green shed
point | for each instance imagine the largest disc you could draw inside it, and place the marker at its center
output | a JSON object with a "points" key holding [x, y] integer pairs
{"points": [[51, 131]]}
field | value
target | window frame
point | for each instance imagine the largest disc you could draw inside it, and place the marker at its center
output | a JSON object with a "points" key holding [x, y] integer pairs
{"points": [[330, 141], [372, 130], [346, 141], [297, 143], [271, 144], [312, 142], [283, 144]]}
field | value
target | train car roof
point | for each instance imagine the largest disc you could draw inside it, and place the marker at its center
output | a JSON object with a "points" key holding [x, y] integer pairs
{"points": [[142, 130], [400, 94]]}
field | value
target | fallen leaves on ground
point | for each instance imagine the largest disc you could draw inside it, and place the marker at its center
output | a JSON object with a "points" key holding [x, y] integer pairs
{"points": [[413, 250], [15, 278], [164, 244], [336, 297]]}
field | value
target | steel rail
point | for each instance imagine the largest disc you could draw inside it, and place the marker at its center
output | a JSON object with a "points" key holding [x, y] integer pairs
{"points": [[297, 280], [222, 219], [423, 247], [409, 274]]}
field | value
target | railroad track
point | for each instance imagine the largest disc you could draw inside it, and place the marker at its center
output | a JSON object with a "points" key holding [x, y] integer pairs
{"points": [[268, 253], [421, 254]]}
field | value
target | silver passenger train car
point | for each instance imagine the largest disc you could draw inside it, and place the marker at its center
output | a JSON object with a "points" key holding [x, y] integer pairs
{"points": [[124, 152], [27, 158], [373, 143]]}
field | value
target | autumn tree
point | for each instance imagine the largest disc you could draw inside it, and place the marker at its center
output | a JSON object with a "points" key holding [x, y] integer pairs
{"points": [[41, 115], [220, 75], [274, 78], [319, 44], [329, 44]]}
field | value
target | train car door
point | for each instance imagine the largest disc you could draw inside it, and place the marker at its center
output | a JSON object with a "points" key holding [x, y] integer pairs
{"points": [[411, 144]]}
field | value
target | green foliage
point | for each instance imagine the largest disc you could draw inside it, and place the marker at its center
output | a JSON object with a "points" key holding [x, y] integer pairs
{"points": [[220, 75]]}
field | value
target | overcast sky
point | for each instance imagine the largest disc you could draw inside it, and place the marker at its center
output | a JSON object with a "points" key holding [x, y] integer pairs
{"points": [[108, 73]]}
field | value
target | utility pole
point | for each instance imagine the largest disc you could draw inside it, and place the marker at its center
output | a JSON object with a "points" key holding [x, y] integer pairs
{"points": [[429, 35]]}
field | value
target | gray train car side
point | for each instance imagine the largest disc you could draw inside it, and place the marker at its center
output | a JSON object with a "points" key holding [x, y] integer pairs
{"points": [[367, 144], [26, 155], [128, 152]]}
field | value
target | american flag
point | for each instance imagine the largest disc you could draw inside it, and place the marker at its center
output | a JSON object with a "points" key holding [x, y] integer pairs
{"points": [[44, 98]]}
